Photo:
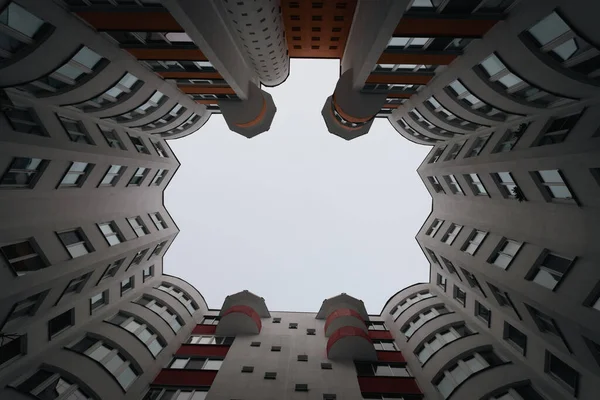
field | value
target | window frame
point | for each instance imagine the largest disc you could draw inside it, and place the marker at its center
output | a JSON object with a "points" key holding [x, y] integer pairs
{"points": [[36, 173], [37, 253]]}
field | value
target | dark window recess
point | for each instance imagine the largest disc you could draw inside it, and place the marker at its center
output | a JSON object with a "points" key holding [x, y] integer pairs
{"points": [[326, 366], [248, 369], [301, 387], [311, 332], [11, 346], [270, 375], [293, 325], [302, 357], [60, 323], [276, 320], [515, 337], [255, 344], [275, 348], [562, 372]]}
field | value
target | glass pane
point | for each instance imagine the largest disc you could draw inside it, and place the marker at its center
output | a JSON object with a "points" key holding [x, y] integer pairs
{"points": [[509, 80], [502, 260], [560, 192], [132, 326], [144, 335], [78, 250], [114, 363], [155, 347], [199, 395], [458, 87], [87, 57], [21, 20], [70, 71], [549, 29], [126, 377], [549, 176], [113, 240], [445, 386], [383, 370], [99, 353], [546, 278], [398, 41], [178, 37], [475, 364], [128, 80], [505, 177], [213, 364], [566, 50], [492, 65], [179, 363]]}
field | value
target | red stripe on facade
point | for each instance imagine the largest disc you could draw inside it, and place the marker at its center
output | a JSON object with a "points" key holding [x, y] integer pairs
{"points": [[210, 329], [380, 335], [203, 350], [342, 312], [388, 384], [390, 356], [345, 332], [249, 311], [185, 377]]}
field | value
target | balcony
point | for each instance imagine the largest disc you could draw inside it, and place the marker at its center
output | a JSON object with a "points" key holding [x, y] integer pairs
{"points": [[350, 343]]}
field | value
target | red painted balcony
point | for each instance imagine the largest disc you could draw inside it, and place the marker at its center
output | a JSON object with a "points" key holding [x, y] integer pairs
{"points": [[350, 343], [239, 320], [388, 384], [184, 377], [344, 317]]}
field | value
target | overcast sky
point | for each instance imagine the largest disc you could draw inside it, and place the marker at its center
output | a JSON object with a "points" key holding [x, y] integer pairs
{"points": [[296, 214]]}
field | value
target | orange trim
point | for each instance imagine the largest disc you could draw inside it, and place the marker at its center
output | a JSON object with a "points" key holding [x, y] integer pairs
{"points": [[168, 54], [348, 117], [190, 75], [193, 89], [155, 21], [416, 58], [390, 106], [399, 78], [399, 95], [211, 101], [258, 118], [432, 27], [340, 124]]}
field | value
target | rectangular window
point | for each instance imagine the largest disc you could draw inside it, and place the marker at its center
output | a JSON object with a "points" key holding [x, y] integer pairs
{"points": [[460, 295], [377, 326], [138, 258], [510, 138], [483, 313], [113, 175], [160, 149], [26, 307], [440, 339], [23, 257], [61, 323], [211, 321], [478, 145], [326, 366], [138, 177], [302, 357], [163, 311], [311, 332], [98, 300], [111, 270], [385, 345], [212, 340], [454, 150], [141, 330], [247, 369], [558, 129], [147, 273], [159, 222], [554, 186], [507, 250], [159, 177], [515, 337], [75, 242], [270, 375], [23, 172], [476, 185], [453, 183], [126, 285], [544, 322], [24, 120], [293, 325], [112, 138], [426, 315], [139, 145], [111, 233], [437, 186], [75, 130], [506, 184], [459, 372], [276, 348], [209, 364], [441, 281], [76, 174], [12, 347], [48, 383], [138, 226], [432, 255], [76, 285], [276, 320], [451, 234], [435, 226], [437, 154], [551, 270], [158, 249], [474, 242], [563, 373]]}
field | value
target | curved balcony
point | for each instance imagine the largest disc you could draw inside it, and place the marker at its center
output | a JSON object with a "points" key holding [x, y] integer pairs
{"points": [[344, 317], [239, 320], [350, 343], [342, 301], [246, 298]]}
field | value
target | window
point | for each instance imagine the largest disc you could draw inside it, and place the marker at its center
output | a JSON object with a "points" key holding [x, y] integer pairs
{"points": [[211, 364], [326, 366], [98, 300], [384, 345], [113, 175], [515, 337], [163, 311], [557, 130], [437, 154], [127, 84], [506, 184], [276, 320], [139, 144], [381, 369], [270, 375], [11, 347], [111, 270], [454, 150], [432, 255], [82, 65], [451, 267], [20, 29], [507, 250], [435, 226], [474, 241], [426, 315], [111, 233], [159, 149], [211, 321], [436, 184], [476, 184], [76, 285], [126, 285], [550, 272], [301, 387], [555, 37], [501, 297], [139, 256], [26, 307], [483, 313], [329, 396], [515, 87], [302, 357], [544, 322], [61, 323], [459, 295], [247, 369], [159, 177], [451, 234], [156, 100], [159, 247], [115, 362], [140, 329], [554, 186], [180, 295], [441, 281], [376, 326], [452, 119], [138, 226], [478, 145], [176, 394], [76, 174], [293, 325], [159, 222], [75, 130], [562, 372], [275, 348], [463, 369], [175, 112], [147, 273], [212, 340], [45, 384], [469, 100], [404, 304], [311, 332], [23, 172], [440, 339], [112, 138], [472, 280], [510, 138], [453, 183], [23, 257], [138, 177], [255, 344], [75, 242], [23, 120]]}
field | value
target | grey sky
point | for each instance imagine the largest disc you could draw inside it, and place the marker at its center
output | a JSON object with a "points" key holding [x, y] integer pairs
{"points": [[296, 214]]}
